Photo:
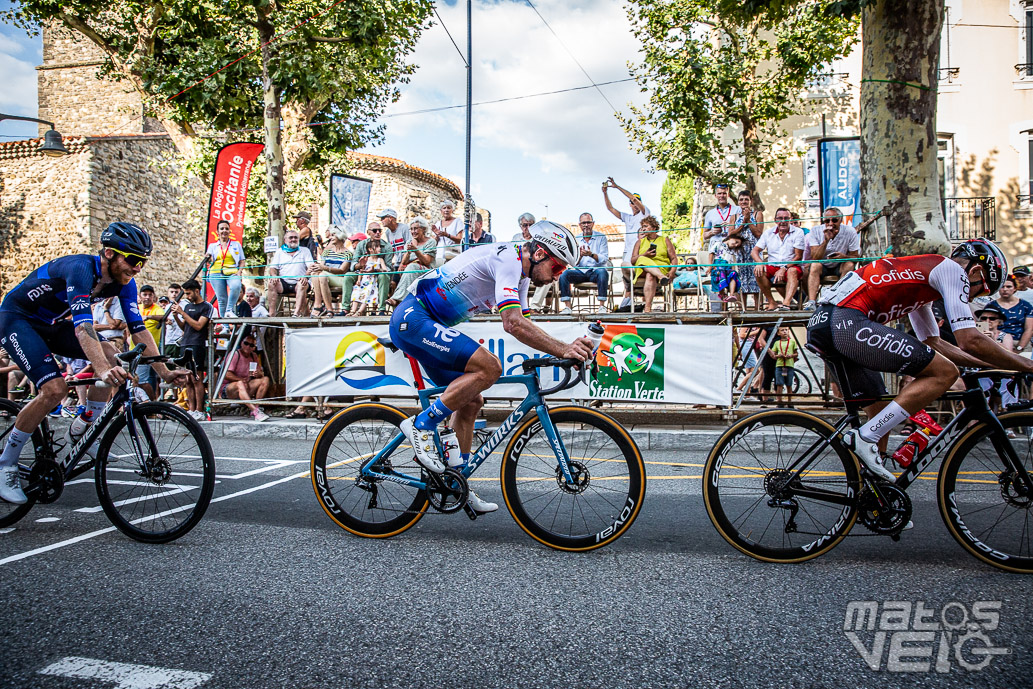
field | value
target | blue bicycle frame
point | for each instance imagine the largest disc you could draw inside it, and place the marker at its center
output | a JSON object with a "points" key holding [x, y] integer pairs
{"points": [[533, 402]]}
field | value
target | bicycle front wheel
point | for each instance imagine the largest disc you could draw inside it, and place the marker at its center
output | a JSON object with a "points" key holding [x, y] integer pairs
{"points": [[9, 512], [366, 506], [986, 508], [755, 502], [610, 480], [155, 499]]}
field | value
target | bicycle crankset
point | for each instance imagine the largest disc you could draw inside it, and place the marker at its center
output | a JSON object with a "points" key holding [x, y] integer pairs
{"points": [[887, 514], [579, 472], [448, 491], [1013, 490], [46, 481]]}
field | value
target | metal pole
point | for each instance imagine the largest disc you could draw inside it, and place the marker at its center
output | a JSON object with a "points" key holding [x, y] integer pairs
{"points": [[467, 210]]}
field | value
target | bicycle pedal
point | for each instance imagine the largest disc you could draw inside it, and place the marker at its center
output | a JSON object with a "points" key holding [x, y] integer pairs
{"points": [[470, 512]]}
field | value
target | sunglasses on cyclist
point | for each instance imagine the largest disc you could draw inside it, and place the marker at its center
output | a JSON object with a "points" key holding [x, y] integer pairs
{"points": [[557, 266], [133, 260]]}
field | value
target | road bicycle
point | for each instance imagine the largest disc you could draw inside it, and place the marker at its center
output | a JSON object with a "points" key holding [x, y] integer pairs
{"points": [[154, 469], [572, 477], [779, 485]]}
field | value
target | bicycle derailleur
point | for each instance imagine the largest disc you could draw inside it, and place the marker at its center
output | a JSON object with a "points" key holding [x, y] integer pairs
{"points": [[774, 485], [887, 513]]}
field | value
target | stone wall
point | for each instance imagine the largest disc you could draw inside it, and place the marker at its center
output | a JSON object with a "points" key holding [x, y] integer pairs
{"points": [[74, 99], [51, 207]]}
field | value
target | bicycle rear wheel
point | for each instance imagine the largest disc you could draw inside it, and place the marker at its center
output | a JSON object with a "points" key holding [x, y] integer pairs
{"points": [[755, 504], [985, 508], [10, 513], [609, 473], [155, 500], [369, 507]]}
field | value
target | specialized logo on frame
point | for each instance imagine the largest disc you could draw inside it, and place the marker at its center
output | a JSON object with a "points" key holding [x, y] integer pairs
{"points": [[631, 364], [915, 637]]}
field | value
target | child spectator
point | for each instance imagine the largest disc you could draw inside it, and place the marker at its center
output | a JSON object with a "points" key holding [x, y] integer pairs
{"points": [[725, 276], [783, 351], [370, 267]]}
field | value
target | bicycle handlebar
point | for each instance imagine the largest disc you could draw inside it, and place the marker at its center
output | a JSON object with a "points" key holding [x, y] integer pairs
{"points": [[566, 364], [134, 357]]}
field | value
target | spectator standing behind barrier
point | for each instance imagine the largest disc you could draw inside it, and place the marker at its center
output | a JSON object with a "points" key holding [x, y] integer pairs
{"points": [[362, 249], [632, 222], [750, 227], [153, 316], [417, 259], [653, 255], [288, 273], [173, 333], [591, 266], [783, 243], [306, 239], [718, 222], [477, 233], [245, 379], [193, 319], [1018, 314], [225, 259], [329, 271], [448, 234], [833, 241]]}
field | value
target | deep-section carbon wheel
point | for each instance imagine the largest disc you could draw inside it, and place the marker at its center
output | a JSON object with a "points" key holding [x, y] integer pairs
{"points": [[10, 513], [755, 499], [986, 505], [607, 491], [366, 506], [155, 499]]}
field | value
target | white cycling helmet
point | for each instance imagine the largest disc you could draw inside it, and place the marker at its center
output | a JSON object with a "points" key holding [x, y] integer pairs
{"points": [[556, 239]]}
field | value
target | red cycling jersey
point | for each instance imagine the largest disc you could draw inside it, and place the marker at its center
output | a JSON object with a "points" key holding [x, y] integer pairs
{"points": [[891, 288]]}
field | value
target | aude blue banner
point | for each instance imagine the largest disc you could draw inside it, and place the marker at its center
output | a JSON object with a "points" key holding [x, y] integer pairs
{"points": [[839, 162], [349, 202]]}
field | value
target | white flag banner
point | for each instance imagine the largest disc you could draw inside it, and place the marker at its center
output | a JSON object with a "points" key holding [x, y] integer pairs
{"points": [[678, 364]]}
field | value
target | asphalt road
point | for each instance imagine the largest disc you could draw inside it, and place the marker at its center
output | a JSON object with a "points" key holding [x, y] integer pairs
{"points": [[268, 592]]}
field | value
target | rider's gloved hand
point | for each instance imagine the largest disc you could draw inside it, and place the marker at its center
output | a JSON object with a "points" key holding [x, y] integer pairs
{"points": [[114, 376], [580, 349]]}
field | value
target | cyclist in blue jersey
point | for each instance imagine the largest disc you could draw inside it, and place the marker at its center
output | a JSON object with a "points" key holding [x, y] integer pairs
{"points": [[50, 313], [482, 277]]}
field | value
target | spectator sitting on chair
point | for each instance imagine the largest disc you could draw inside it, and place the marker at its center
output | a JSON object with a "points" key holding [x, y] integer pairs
{"points": [[524, 235], [418, 257], [245, 379], [591, 266], [653, 255], [1024, 282], [448, 234], [370, 268], [783, 243], [477, 233], [832, 242], [375, 234], [632, 229], [329, 271], [725, 276], [1018, 314], [288, 274], [687, 276]]}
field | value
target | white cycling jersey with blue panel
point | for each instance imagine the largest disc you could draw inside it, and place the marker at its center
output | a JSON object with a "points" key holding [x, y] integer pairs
{"points": [[476, 281]]}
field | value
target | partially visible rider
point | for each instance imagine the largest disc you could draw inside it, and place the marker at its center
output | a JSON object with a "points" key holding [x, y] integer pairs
{"points": [[482, 277], [35, 325], [850, 325]]}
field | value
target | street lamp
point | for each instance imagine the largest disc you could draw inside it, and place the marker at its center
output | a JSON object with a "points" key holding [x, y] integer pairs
{"points": [[53, 145]]}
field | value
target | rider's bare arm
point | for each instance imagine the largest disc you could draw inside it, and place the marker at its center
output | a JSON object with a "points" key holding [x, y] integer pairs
{"points": [[986, 350], [94, 351], [531, 335]]}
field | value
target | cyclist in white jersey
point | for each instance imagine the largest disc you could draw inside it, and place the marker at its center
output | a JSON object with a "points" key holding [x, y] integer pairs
{"points": [[481, 278]]}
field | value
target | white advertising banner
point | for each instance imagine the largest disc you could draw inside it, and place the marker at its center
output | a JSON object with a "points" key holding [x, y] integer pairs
{"points": [[678, 364]]}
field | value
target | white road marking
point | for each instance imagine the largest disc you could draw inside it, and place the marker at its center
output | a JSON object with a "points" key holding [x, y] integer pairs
{"points": [[47, 520], [9, 529], [101, 532], [126, 675]]}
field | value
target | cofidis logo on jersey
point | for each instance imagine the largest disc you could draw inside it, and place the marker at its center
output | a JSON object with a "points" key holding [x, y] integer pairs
{"points": [[360, 362], [631, 364]]}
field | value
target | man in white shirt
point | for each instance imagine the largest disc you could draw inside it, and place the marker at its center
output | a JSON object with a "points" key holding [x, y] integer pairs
{"points": [[783, 243], [717, 222], [830, 244], [631, 221], [288, 275]]}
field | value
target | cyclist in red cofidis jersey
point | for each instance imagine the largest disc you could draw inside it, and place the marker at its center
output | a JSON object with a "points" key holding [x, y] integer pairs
{"points": [[849, 325]]}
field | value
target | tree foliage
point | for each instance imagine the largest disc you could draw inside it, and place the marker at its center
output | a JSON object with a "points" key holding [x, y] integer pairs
{"points": [[708, 71], [676, 201]]}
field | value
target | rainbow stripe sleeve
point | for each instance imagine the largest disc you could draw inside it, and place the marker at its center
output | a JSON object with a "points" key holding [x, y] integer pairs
{"points": [[508, 304]]}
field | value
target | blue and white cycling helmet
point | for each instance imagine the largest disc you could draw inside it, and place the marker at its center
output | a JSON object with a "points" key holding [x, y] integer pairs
{"points": [[127, 238], [985, 253], [556, 239]]}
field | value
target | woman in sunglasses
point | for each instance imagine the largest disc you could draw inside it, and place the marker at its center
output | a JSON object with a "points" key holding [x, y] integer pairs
{"points": [[989, 320], [1018, 315]]}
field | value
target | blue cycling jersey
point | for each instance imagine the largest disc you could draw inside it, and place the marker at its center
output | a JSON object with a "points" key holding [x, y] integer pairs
{"points": [[66, 285]]}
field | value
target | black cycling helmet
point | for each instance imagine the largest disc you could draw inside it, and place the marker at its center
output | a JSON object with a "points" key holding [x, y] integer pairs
{"points": [[127, 238], [985, 253]]}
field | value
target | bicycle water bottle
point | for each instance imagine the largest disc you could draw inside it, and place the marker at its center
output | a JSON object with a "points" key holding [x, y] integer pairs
{"points": [[914, 444], [450, 447], [594, 332]]}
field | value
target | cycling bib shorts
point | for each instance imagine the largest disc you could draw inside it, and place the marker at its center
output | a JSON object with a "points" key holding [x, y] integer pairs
{"points": [[442, 351]]}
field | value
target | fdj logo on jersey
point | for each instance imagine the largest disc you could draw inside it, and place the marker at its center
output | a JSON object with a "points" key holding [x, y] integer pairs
{"points": [[631, 364], [360, 362]]}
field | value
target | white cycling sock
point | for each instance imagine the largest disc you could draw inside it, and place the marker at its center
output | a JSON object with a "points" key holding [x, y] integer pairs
{"points": [[884, 422], [15, 440]]}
